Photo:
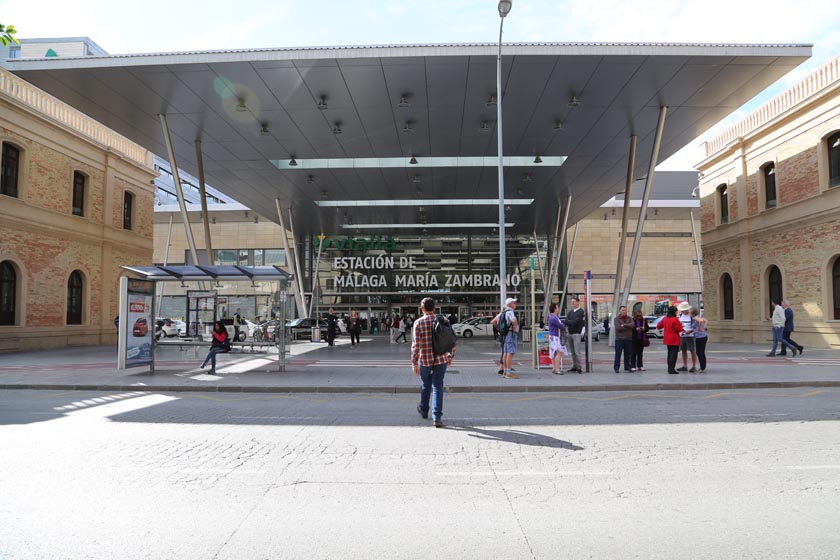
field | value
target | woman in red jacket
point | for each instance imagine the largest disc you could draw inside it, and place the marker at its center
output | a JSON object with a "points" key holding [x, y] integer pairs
{"points": [[219, 345], [671, 329]]}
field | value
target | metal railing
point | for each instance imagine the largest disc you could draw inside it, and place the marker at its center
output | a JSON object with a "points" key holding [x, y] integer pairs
{"points": [[48, 106], [826, 76]]}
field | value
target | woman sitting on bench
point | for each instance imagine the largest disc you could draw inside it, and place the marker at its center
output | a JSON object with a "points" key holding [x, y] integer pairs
{"points": [[219, 345]]}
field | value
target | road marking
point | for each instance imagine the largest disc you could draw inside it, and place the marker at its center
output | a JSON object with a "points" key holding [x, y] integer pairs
{"points": [[812, 467], [491, 474]]}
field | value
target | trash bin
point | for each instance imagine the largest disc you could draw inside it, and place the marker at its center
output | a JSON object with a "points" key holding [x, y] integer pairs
{"points": [[315, 334]]}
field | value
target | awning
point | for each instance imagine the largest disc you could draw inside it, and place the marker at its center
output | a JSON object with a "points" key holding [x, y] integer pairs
{"points": [[189, 273]]}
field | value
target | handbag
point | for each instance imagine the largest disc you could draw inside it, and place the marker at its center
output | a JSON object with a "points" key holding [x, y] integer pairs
{"points": [[645, 340]]}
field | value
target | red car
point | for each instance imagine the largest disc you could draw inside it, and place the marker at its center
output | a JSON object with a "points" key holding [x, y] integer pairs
{"points": [[141, 327]]}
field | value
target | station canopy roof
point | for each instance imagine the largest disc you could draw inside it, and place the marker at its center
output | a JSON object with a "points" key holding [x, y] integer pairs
{"points": [[190, 273], [352, 118]]}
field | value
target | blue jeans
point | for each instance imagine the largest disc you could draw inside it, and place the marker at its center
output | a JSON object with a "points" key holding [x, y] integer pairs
{"points": [[778, 338], [625, 346], [211, 355], [431, 378]]}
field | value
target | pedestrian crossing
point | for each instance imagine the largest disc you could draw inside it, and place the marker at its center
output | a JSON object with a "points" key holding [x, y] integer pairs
{"points": [[818, 362]]}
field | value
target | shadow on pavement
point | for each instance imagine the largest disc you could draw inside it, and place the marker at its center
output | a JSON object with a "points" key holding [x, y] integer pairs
{"points": [[518, 437]]}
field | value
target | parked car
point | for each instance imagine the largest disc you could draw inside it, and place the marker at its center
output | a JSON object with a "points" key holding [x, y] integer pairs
{"points": [[141, 327], [597, 329], [169, 328], [304, 325], [652, 321], [474, 326]]}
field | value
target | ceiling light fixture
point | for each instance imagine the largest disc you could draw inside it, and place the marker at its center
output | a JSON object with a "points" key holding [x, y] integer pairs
{"points": [[240, 105], [558, 125], [527, 178], [416, 179], [264, 130], [574, 101], [324, 195], [407, 128], [310, 179], [403, 101], [491, 101], [337, 128], [519, 191], [413, 160], [293, 162], [538, 159], [485, 127], [322, 103]]}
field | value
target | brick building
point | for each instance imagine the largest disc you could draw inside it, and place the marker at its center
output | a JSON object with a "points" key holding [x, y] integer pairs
{"points": [[771, 216], [75, 204]]}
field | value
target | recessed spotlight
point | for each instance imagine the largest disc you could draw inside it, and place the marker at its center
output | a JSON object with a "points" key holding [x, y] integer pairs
{"points": [[416, 179], [407, 128], [240, 105], [324, 195], [485, 127], [558, 125], [527, 178], [310, 179], [264, 130], [574, 101], [337, 128], [491, 101], [519, 191], [413, 160], [404, 102], [322, 103], [293, 162], [538, 159]]}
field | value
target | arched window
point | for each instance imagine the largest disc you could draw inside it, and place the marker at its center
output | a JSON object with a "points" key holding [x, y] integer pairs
{"points": [[834, 160], [9, 167], [774, 284], [128, 203], [728, 298], [835, 283], [724, 204], [75, 290], [8, 293], [78, 193], [768, 173]]}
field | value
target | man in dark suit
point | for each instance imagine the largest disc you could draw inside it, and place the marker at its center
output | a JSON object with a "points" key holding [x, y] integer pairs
{"points": [[788, 329]]}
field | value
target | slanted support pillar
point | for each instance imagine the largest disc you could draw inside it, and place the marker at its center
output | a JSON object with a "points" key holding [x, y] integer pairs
{"points": [[569, 268], [289, 258], [625, 215], [176, 178], [558, 249], [211, 259], [654, 155]]}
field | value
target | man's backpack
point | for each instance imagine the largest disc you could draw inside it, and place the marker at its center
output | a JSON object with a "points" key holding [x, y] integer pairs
{"points": [[443, 336], [504, 326]]}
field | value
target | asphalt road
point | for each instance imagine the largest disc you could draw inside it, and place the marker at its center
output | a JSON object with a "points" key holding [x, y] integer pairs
{"points": [[742, 474]]}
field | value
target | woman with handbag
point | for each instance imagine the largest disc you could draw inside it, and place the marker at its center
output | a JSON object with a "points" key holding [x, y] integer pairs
{"points": [[640, 341], [671, 329], [219, 345], [701, 337]]}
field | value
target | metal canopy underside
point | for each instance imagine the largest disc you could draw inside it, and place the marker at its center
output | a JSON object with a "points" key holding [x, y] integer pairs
{"points": [[446, 87], [189, 273]]}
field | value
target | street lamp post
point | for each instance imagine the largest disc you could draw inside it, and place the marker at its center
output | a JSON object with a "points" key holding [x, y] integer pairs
{"points": [[504, 10]]}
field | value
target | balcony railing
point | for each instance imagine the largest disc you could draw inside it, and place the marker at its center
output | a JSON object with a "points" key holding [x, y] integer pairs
{"points": [[823, 78], [48, 106]]}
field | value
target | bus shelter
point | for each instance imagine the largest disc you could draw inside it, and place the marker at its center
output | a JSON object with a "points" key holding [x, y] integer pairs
{"points": [[137, 341]]}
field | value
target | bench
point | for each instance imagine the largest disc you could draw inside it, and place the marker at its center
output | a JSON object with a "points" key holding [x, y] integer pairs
{"points": [[187, 342]]}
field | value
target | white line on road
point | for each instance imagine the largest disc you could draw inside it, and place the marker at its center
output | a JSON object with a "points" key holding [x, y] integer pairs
{"points": [[812, 467], [523, 473]]}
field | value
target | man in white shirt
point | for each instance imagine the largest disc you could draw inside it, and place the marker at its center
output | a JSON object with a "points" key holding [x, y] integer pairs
{"points": [[778, 330], [687, 338]]}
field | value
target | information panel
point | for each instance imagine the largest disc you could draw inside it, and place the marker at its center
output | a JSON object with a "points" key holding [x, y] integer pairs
{"points": [[136, 323]]}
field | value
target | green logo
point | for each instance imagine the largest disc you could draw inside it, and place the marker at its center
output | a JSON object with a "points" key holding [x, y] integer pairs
{"points": [[374, 243]]}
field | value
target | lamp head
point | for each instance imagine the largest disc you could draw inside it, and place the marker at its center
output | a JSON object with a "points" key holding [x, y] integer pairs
{"points": [[504, 7]]}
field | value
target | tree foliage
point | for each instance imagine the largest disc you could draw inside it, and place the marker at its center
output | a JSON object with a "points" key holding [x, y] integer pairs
{"points": [[7, 34]]}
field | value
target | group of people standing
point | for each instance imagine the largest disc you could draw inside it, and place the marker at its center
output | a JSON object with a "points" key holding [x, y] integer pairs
{"points": [[685, 333]]}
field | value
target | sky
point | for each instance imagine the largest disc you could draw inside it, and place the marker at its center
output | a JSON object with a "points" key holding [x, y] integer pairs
{"points": [[166, 26]]}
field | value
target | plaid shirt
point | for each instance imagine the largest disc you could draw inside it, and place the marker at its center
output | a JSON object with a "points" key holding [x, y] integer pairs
{"points": [[421, 344]]}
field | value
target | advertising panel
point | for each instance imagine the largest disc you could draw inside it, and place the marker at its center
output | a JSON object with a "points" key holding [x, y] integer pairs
{"points": [[542, 350], [137, 323]]}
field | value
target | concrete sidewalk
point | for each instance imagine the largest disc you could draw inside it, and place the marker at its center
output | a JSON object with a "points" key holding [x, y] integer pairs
{"points": [[379, 366]]}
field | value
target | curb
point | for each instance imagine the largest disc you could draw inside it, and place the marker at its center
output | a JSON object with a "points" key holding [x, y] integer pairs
{"points": [[412, 390]]}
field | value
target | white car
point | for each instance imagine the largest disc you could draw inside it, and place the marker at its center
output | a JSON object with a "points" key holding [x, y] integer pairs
{"points": [[169, 328], [474, 326]]}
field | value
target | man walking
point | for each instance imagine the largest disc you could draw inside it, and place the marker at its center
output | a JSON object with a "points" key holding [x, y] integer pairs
{"points": [[789, 328], [779, 329], [509, 333], [623, 339], [237, 322], [429, 367], [574, 325], [332, 326]]}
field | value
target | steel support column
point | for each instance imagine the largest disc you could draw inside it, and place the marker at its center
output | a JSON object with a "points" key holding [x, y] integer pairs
{"points": [[211, 260], [697, 254], [176, 178], [502, 248], [298, 274], [289, 259], [539, 260], [569, 268], [558, 250], [654, 155], [625, 215]]}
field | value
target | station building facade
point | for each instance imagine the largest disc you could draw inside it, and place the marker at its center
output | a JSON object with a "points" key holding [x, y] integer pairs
{"points": [[75, 205], [770, 189]]}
